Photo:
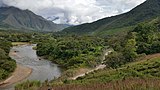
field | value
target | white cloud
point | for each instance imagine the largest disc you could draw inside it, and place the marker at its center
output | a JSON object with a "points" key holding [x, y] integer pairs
{"points": [[74, 11]]}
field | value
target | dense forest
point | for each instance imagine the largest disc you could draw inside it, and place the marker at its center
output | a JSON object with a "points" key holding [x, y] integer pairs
{"points": [[32, 37], [72, 51]]}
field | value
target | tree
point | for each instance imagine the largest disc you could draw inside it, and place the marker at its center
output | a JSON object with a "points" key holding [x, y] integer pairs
{"points": [[114, 60]]}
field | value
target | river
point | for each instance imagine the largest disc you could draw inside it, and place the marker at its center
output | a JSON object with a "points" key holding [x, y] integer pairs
{"points": [[41, 69]]}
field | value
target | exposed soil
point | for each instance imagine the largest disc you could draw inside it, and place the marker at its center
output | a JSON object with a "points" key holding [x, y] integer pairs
{"points": [[19, 74]]}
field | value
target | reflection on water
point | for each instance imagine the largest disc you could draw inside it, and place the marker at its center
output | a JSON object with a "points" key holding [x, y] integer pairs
{"points": [[42, 69]]}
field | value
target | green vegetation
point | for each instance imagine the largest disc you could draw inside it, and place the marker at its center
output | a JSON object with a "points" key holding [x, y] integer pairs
{"points": [[127, 49], [22, 37], [125, 69], [73, 51], [144, 39], [15, 37], [7, 65], [113, 31], [144, 69], [141, 75], [124, 64], [147, 38], [28, 85], [119, 67]]}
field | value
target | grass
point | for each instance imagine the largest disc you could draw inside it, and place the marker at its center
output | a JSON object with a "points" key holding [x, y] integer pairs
{"points": [[114, 31], [19, 43], [28, 85], [128, 84]]}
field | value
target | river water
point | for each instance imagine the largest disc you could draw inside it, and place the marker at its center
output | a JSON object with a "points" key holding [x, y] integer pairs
{"points": [[41, 69]]}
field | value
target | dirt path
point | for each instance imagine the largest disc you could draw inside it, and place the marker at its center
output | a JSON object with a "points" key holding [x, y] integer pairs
{"points": [[102, 66], [89, 71], [19, 74], [152, 56]]}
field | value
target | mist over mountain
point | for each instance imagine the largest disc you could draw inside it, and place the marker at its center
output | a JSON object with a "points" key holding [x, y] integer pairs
{"points": [[146, 11]]}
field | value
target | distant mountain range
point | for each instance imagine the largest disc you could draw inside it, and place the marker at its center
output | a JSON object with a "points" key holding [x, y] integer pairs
{"points": [[148, 10], [14, 18]]}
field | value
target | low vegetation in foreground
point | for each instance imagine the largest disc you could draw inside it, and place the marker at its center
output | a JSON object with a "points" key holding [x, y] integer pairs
{"points": [[127, 84], [32, 85]]}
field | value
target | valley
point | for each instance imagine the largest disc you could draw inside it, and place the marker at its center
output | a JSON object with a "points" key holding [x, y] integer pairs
{"points": [[120, 52]]}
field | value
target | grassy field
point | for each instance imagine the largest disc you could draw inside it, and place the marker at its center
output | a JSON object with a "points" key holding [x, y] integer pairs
{"points": [[128, 84], [19, 43]]}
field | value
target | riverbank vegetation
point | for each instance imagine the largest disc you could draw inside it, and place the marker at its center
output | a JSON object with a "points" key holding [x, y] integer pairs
{"points": [[7, 65], [28, 85], [73, 51]]}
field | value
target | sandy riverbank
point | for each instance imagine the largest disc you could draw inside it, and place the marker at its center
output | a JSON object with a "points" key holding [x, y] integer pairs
{"points": [[19, 74]]}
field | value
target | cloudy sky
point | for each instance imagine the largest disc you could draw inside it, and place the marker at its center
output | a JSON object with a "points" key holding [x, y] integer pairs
{"points": [[74, 11]]}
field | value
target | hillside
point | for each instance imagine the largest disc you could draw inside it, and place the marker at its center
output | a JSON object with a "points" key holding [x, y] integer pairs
{"points": [[133, 65], [110, 25], [14, 18], [140, 75]]}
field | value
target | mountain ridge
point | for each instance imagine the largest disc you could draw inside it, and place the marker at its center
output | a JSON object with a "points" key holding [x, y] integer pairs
{"points": [[148, 10], [15, 18]]}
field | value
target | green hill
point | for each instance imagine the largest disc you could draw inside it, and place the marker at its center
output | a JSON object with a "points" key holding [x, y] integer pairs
{"points": [[110, 25], [17, 19]]}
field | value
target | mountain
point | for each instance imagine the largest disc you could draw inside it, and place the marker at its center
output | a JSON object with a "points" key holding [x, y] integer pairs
{"points": [[146, 11], [14, 18]]}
